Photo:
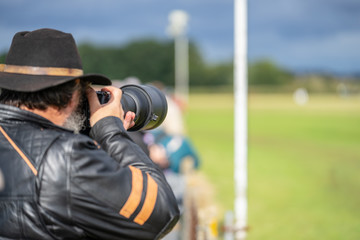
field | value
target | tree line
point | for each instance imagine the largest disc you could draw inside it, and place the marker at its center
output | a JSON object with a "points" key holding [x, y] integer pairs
{"points": [[153, 60]]}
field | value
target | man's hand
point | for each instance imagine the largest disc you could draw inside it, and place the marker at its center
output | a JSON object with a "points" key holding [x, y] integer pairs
{"points": [[129, 120], [111, 108]]}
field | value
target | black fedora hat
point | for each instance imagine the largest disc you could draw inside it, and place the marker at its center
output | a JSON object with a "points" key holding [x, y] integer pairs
{"points": [[41, 59]]}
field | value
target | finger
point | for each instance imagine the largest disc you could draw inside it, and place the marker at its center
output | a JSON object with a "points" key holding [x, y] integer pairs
{"points": [[132, 119], [115, 93], [129, 120]]}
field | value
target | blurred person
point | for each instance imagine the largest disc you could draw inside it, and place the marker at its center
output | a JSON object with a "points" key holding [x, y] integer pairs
{"points": [[171, 149], [174, 153], [60, 184], [174, 122], [169, 145]]}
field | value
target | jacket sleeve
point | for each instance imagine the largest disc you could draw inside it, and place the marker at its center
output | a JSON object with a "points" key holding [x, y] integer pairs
{"points": [[118, 192]]}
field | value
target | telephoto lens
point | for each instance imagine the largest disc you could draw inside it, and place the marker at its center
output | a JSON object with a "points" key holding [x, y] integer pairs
{"points": [[146, 101]]}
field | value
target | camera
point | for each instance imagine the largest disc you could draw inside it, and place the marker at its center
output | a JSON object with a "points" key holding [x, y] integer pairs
{"points": [[146, 101]]}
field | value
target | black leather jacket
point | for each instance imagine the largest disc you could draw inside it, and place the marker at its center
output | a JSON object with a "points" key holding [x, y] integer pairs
{"points": [[61, 185]]}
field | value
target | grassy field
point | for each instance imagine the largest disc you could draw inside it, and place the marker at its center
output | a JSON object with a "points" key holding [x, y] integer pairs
{"points": [[303, 162]]}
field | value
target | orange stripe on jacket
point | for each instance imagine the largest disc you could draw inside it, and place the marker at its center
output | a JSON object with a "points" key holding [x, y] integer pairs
{"points": [[135, 196], [149, 203], [18, 150]]}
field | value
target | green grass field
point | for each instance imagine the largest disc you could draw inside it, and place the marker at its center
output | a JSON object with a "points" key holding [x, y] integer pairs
{"points": [[303, 162]]}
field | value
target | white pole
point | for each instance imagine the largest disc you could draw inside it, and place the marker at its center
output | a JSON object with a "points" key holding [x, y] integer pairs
{"points": [[240, 95], [181, 68], [178, 21]]}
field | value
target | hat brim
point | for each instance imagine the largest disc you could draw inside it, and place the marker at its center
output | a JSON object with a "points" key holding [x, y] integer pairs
{"points": [[32, 83]]}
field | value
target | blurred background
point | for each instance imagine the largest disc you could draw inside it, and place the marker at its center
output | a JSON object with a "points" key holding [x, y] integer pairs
{"points": [[303, 98]]}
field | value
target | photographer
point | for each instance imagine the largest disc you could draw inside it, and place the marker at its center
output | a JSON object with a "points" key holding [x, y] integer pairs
{"points": [[59, 184]]}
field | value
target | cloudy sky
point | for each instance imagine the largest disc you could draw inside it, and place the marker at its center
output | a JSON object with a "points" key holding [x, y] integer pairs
{"points": [[297, 34]]}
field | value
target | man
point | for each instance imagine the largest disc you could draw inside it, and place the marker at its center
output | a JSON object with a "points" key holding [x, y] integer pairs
{"points": [[63, 185]]}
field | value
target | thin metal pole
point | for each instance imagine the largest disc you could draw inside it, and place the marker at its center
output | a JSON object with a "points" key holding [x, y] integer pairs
{"points": [[181, 68], [241, 131]]}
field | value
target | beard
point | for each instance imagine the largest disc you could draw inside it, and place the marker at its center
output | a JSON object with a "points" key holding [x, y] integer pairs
{"points": [[76, 120]]}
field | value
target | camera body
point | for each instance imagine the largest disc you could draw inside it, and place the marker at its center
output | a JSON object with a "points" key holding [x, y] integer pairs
{"points": [[146, 101]]}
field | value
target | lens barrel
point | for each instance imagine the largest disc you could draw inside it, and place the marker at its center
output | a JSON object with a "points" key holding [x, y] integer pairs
{"points": [[146, 101]]}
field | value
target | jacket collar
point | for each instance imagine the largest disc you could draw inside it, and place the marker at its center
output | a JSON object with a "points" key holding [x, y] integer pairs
{"points": [[14, 114]]}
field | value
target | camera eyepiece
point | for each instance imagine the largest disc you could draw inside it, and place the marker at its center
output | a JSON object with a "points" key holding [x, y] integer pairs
{"points": [[146, 101]]}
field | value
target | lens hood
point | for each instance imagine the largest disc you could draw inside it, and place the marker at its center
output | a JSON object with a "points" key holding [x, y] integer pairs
{"points": [[147, 102]]}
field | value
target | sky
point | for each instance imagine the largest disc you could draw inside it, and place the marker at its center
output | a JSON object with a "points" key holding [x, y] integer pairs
{"points": [[300, 35]]}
